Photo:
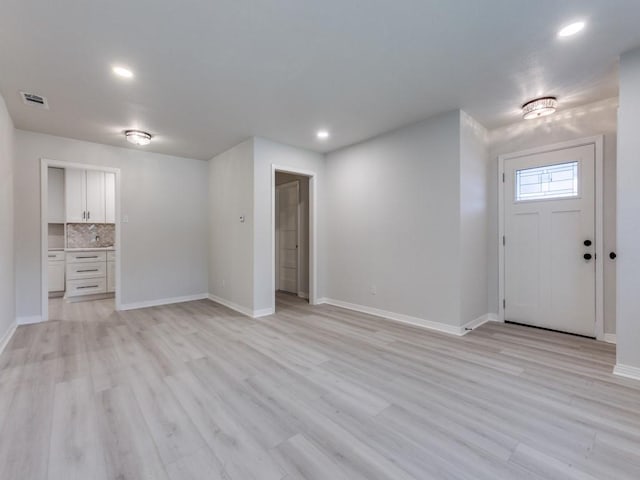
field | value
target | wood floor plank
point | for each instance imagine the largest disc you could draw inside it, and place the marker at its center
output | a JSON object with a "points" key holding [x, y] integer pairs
{"points": [[195, 390]]}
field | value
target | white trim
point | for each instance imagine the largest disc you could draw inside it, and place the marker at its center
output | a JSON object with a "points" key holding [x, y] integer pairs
{"points": [[239, 308], [597, 141], [610, 338], [30, 320], [265, 312], [406, 319], [313, 260], [163, 301], [627, 371], [493, 317], [473, 324], [303, 295], [45, 163], [6, 338]]}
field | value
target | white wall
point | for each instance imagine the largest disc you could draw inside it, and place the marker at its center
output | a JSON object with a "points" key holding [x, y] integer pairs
{"points": [[7, 277], [393, 221], [231, 242], [266, 154], [628, 304], [585, 121], [474, 157], [164, 245]]}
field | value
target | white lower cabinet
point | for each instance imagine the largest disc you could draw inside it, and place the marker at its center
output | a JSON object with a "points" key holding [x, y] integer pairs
{"points": [[55, 271], [111, 277], [87, 286], [89, 273]]}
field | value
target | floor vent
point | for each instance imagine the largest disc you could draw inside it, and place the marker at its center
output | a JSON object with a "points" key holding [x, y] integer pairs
{"points": [[34, 100]]}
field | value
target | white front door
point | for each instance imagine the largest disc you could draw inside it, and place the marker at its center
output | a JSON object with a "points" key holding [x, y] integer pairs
{"points": [[287, 236], [549, 209]]}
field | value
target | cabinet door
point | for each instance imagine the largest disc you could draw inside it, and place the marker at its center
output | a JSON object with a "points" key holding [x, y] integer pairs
{"points": [[111, 277], [95, 197], [75, 193], [110, 197], [56, 277]]}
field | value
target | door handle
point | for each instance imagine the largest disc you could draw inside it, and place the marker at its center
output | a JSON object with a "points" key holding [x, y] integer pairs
{"points": [[612, 255], [587, 256]]}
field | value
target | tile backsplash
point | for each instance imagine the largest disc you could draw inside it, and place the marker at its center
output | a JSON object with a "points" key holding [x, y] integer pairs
{"points": [[90, 235]]}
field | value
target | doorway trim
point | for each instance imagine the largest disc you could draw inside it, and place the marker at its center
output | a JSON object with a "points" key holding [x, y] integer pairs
{"points": [[598, 142], [45, 163], [313, 218]]}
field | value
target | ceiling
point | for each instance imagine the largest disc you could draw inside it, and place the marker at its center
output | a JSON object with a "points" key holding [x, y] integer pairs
{"points": [[211, 73]]}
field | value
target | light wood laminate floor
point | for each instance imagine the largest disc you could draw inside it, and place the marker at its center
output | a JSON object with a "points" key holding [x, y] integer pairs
{"points": [[196, 391]]}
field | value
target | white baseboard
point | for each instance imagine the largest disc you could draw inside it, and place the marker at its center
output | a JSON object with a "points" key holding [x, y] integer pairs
{"points": [[473, 324], [163, 301], [29, 320], [610, 337], [399, 317], [4, 341], [241, 309], [265, 312], [303, 295], [627, 371], [493, 317]]}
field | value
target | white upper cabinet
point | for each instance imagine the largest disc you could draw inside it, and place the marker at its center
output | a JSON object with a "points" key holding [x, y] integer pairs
{"points": [[110, 197], [95, 197], [75, 193], [89, 196], [55, 190]]}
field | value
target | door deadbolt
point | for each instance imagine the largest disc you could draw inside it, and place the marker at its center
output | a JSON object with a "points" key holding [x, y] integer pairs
{"points": [[587, 243]]}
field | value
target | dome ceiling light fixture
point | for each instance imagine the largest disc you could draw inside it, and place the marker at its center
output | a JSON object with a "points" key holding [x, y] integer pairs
{"points": [[539, 107], [138, 137]]}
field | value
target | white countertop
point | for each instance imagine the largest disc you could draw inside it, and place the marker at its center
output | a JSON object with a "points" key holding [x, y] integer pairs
{"points": [[90, 249]]}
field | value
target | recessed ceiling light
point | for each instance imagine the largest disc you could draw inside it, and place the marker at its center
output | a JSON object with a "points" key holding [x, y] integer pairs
{"points": [[138, 137], [540, 107], [571, 29], [322, 134], [123, 72]]}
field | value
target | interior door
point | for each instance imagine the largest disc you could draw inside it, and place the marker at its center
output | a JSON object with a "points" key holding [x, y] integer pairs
{"points": [[287, 225], [549, 208]]}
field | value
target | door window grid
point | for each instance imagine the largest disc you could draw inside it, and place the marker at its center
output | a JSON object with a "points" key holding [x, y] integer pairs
{"points": [[544, 183]]}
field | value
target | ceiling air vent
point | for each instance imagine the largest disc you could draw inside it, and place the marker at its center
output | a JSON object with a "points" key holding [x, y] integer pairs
{"points": [[34, 100]]}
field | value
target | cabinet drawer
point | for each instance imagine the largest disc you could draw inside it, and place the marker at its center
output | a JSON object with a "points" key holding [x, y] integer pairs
{"points": [[111, 256], [82, 257], [86, 270], [55, 256], [87, 286]]}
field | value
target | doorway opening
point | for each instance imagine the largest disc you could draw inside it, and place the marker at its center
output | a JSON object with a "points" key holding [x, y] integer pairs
{"points": [[80, 241], [292, 237]]}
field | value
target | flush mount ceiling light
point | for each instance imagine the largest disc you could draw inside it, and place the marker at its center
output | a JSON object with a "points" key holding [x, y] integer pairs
{"points": [[322, 134], [138, 137], [571, 29], [122, 72], [540, 107]]}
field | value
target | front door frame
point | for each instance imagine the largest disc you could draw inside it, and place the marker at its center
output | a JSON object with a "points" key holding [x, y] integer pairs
{"points": [[598, 142]]}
